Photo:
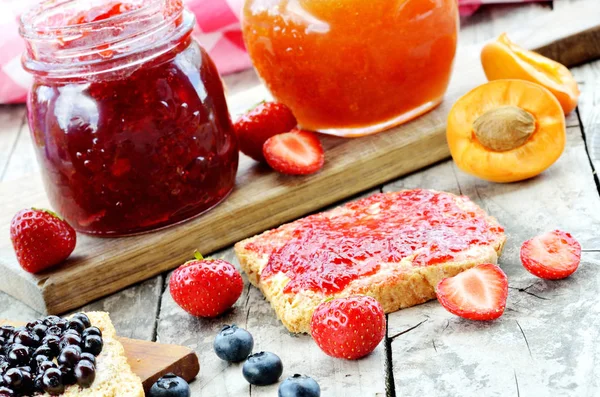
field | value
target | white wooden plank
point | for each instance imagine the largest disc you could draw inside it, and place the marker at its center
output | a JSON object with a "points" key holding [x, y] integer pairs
{"points": [[589, 108], [22, 160], [11, 121], [134, 311], [542, 346], [492, 19], [12, 309]]}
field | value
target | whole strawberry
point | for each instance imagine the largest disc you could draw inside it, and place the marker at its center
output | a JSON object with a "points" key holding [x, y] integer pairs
{"points": [[206, 287], [41, 239], [255, 127], [348, 328]]}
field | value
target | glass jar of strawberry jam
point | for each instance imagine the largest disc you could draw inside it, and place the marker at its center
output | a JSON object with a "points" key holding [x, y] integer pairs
{"points": [[127, 114], [353, 67]]}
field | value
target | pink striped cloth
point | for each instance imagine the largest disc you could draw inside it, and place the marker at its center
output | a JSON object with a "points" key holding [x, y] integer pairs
{"points": [[217, 30]]}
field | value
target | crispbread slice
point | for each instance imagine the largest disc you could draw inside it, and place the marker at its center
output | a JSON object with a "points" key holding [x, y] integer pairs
{"points": [[395, 285], [114, 377]]}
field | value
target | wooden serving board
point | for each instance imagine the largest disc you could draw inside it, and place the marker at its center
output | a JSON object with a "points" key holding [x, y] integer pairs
{"points": [[263, 199], [151, 360]]}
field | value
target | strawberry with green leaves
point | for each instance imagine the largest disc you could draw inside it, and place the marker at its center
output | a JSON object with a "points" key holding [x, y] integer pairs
{"points": [[206, 287], [41, 239]]}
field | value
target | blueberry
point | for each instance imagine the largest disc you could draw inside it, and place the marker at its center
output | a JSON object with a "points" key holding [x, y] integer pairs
{"points": [[62, 323], [52, 382], [43, 350], [53, 342], [6, 331], [68, 374], [91, 331], [299, 386], [32, 324], [39, 330], [13, 378], [54, 330], [71, 331], [76, 324], [6, 392], [85, 373], [37, 360], [69, 339], [262, 369], [85, 320], [233, 344], [26, 380], [50, 320], [18, 355], [69, 356], [26, 338], [38, 382], [93, 344], [46, 365], [170, 385], [88, 357]]}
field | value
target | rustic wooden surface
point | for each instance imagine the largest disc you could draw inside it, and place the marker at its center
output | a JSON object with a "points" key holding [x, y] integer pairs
{"points": [[151, 360], [545, 344], [263, 199]]}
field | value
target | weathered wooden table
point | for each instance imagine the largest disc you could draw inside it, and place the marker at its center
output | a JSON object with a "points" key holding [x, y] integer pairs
{"points": [[544, 345]]}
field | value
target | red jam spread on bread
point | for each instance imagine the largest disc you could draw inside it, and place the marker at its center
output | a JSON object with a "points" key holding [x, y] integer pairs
{"points": [[325, 252]]}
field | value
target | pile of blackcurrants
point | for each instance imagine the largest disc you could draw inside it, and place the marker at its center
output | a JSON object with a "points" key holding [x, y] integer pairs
{"points": [[48, 355]]}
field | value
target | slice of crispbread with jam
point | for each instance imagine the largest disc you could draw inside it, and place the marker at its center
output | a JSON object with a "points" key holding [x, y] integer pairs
{"points": [[394, 247]]}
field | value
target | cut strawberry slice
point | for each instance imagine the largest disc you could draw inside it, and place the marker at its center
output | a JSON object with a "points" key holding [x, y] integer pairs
{"points": [[552, 256], [476, 294], [294, 153]]}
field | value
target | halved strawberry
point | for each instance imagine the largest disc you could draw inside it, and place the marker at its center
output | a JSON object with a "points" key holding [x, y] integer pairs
{"points": [[295, 153], [552, 256], [259, 124], [476, 294]]}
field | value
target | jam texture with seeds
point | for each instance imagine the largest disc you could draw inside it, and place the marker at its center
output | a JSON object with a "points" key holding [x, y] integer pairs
{"points": [[327, 251]]}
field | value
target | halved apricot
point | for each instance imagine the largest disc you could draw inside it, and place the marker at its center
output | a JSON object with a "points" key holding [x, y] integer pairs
{"points": [[506, 130], [503, 59]]}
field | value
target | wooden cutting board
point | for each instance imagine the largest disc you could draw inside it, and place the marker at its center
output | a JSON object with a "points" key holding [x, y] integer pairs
{"points": [[151, 360], [263, 199]]}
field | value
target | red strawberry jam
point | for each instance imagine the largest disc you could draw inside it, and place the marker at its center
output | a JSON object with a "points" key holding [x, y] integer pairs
{"points": [[127, 113], [325, 252]]}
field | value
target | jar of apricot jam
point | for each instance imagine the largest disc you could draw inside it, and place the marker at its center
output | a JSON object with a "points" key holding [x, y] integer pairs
{"points": [[353, 67], [127, 113]]}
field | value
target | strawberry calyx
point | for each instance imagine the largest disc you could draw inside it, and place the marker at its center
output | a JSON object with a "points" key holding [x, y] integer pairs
{"points": [[50, 212]]}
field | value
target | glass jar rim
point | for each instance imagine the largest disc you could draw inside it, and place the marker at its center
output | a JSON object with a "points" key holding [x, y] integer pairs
{"points": [[29, 29], [56, 46]]}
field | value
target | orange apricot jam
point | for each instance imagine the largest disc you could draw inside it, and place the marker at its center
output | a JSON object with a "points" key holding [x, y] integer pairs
{"points": [[353, 67]]}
